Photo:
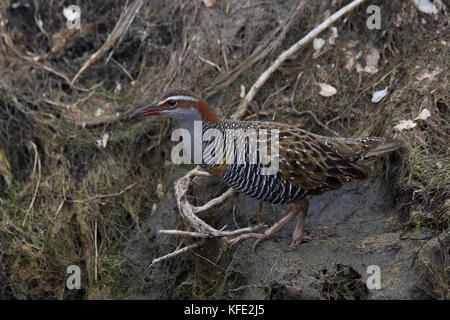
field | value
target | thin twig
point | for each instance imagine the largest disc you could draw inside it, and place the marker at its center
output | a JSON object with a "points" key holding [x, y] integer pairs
{"points": [[59, 74], [224, 54], [135, 10], [295, 89], [178, 252], [215, 201], [213, 263], [105, 195], [38, 21], [121, 67], [208, 62], [272, 96], [242, 108], [59, 208], [37, 162], [184, 233], [96, 251], [313, 115], [119, 30], [218, 234]]}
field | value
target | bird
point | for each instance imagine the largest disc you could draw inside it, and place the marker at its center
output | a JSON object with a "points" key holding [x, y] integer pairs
{"points": [[308, 164]]}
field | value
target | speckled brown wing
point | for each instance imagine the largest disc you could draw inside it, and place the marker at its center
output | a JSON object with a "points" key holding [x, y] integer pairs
{"points": [[319, 163], [307, 161]]}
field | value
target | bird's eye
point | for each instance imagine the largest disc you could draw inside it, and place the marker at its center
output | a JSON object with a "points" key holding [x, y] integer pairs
{"points": [[172, 103]]}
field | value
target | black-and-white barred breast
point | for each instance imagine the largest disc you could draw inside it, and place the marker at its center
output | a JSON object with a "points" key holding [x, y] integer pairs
{"points": [[247, 179], [246, 176]]}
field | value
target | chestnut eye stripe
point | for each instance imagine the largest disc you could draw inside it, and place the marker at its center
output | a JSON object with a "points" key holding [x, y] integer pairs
{"points": [[177, 98]]}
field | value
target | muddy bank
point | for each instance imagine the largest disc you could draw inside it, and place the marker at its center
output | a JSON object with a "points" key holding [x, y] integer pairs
{"points": [[352, 228]]}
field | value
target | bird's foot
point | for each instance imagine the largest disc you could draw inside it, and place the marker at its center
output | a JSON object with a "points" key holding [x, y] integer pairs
{"points": [[297, 242], [259, 238]]}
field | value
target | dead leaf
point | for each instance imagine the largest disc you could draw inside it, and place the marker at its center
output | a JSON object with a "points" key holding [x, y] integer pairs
{"points": [[424, 115], [405, 125], [398, 20], [372, 59], [160, 191], [333, 36], [425, 6], [318, 43], [349, 60], [427, 74], [326, 90], [242, 94], [209, 3], [71, 14], [102, 143], [424, 74], [334, 32], [105, 140], [379, 95]]}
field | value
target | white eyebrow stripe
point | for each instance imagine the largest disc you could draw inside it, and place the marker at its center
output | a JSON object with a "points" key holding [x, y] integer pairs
{"points": [[178, 98]]}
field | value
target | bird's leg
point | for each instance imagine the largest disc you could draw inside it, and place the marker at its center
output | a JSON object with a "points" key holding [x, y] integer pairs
{"points": [[297, 208], [299, 233], [259, 215]]}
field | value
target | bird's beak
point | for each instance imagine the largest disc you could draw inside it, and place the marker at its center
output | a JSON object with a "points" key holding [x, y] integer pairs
{"points": [[150, 110]]}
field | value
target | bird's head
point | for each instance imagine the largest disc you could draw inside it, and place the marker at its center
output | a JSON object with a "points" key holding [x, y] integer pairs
{"points": [[178, 104]]}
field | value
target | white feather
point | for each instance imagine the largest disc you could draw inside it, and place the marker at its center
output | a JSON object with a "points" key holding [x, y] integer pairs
{"points": [[176, 98]]}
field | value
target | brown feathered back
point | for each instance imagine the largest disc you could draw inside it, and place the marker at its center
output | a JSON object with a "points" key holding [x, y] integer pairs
{"points": [[319, 163]]}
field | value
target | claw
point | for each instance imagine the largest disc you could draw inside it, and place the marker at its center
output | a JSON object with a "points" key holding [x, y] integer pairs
{"points": [[297, 242]]}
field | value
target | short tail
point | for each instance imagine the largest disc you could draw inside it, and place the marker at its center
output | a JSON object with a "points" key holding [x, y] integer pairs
{"points": [[386, 147]]}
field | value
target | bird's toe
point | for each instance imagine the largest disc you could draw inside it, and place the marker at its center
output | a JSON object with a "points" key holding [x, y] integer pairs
{"points": [[304, 239]]}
